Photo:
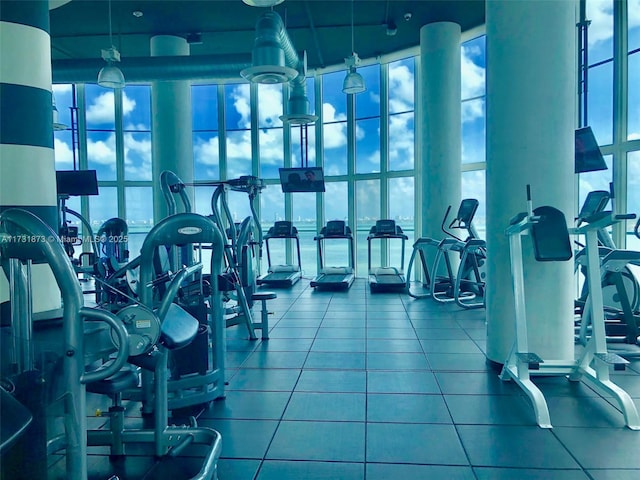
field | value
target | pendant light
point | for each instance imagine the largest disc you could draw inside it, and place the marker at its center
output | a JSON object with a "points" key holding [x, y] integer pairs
{"points": [[353, 82], [111, 76]]}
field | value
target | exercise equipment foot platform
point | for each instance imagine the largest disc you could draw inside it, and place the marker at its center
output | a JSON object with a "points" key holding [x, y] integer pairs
{"points": [[550, 239]]}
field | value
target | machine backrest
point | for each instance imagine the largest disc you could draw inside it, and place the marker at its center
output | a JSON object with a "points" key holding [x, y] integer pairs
{"points": [[550, 235]]}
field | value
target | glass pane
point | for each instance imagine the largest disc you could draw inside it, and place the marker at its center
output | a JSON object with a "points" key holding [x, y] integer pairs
{"points": [[633, 7], [600, 13], [237, 106], [304, 219], [202, 202], [401, 85], [269, 106], [103, 207], [368, 145], [239, 205], [136, 107], [368, 211], [137, 156], [599, 180], [271, 152], [100, 112], [634, 96], [473, 68], [299, 150], [401, 141], [206, 154], [101, 154], [474, 186], [63, 150], [139, 216], [473, 131], [633, 196], [600, 102], [401, 201], [368, 102], [311, 94], [332, 95], [64, 100], [335, 144], [238, 153], [204, 101]]}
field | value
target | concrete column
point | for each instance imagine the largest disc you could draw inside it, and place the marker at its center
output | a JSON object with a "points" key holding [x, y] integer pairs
{"points": [[531, 111], [27, 164], [171, 124], [439, 119]]}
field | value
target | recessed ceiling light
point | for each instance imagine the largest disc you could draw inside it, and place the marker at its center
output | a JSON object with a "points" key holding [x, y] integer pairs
{"points": [[137, 13]]}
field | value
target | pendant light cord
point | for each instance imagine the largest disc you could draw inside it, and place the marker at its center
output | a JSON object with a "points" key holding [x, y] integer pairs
{"points": [[110, 33], [353, 48]]}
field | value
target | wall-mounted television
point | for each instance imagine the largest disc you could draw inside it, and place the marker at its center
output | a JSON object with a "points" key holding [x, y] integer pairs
{"points": [[588, 155], [309, 179], [77, 182]]}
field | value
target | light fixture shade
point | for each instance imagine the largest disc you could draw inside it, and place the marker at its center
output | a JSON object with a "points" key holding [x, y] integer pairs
{"points": [[353, 82], [262, 3], [111, 77]]}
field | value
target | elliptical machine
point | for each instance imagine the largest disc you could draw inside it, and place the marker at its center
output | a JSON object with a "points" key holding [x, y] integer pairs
{"points": [[465, 287]]}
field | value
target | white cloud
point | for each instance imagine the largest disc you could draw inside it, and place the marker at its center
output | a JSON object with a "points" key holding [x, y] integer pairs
{"points": [[240, 96], [401, 142], [103, 152], [634, 13], [137, 157], [473, 75], [600, 12], [61, 88], [207, 153], [63, 153], [102, 109], [335, 134], [401, 88], [270, 105]]}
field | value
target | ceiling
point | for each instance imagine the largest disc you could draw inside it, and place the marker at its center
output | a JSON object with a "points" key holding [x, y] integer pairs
{"points": [[322, 28]]}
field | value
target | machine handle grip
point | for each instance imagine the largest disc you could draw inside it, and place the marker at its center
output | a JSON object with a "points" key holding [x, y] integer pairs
{"points": [[123, 342]]}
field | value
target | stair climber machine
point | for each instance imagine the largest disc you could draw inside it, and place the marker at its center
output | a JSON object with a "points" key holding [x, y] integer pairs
{"points": [[590, 364], [465, 287], [386, 278], [620, 288], [242, 255], [282, 275], [335, 277]]}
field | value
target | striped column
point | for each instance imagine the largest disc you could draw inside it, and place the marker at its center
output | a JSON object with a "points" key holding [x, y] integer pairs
{"points": [[27, 165]]}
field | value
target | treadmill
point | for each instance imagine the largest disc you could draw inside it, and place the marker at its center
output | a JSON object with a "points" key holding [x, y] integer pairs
{"points": [[282, 275], [386, 278], [335, 277]]}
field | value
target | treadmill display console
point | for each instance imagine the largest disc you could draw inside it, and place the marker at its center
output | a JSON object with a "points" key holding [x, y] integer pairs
{"points": [[385, 227], [282, 229], [336, 228]]}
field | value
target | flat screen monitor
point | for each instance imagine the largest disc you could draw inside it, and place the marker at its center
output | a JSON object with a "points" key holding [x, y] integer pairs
{"points": [[588, 155], [309, 179], [77, 182]]}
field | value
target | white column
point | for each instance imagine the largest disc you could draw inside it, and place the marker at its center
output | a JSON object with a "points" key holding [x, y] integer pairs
{"points": [[531, 111], [171, 123], [27, 165], [439, 122]]}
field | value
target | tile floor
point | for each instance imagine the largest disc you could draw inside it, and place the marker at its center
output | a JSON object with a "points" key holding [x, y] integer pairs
{"points": [[355, 386]]}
